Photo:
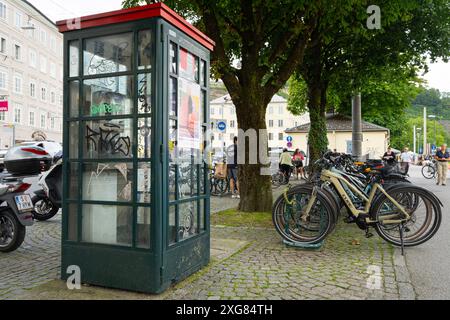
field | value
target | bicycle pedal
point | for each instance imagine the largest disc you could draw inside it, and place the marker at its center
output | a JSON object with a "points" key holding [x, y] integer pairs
{"points": [[349, 220], [369, 234]]}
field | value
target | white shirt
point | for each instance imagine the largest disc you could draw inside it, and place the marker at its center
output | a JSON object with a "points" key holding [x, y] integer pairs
{"points": [[407, 156]]}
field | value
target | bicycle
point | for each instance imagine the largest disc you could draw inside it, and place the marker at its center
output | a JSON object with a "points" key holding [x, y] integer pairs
{"points": [[429, 170], [405, 216]]}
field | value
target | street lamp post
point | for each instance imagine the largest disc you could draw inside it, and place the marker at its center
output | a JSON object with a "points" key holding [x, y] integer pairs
{"points": [[433, 116], [418, 139]]}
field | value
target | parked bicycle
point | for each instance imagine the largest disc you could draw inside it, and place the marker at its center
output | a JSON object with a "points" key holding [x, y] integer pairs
{"points": [[401, 213], [429, 170]]}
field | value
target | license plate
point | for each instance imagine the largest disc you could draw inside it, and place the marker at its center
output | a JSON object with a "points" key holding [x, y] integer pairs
{"points": [[24, 203]]}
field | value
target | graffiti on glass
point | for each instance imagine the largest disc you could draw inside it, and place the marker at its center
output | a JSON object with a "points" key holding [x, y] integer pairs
{"points": [[107, 139]]}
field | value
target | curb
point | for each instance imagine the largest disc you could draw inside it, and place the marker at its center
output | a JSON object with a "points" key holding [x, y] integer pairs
{"points": [[405, 286]]}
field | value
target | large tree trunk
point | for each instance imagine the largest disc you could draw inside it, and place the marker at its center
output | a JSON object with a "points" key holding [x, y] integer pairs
{"points": [[317, 137], [255, 188]]}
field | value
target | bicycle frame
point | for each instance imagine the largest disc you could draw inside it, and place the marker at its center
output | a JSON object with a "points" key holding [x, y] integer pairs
{"points": [[337, 180]]}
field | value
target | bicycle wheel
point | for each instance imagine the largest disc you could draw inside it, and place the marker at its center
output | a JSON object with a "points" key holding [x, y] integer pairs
{"points": [[277, 180], [428, 171], [221, 186], [293, 225], [423, 208]]}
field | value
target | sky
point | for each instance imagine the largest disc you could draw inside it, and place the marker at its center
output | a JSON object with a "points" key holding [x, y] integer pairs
{"points": [[438, 76]]}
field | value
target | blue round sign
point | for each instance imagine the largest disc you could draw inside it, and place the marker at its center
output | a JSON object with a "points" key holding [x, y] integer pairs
{"points": [[289, 139], [221, 125]]}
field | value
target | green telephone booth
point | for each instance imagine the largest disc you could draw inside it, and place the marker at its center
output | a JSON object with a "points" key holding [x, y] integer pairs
{"points": [[136, 196]]}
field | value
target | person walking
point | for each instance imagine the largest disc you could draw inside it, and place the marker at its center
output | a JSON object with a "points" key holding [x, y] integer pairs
{"points": [[297, 160], [286, 164], [443, 158], [406, 157], [233, 168]]}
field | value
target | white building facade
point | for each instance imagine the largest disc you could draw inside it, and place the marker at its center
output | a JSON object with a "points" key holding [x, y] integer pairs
{"points": [[31, 73], [278, 119]]}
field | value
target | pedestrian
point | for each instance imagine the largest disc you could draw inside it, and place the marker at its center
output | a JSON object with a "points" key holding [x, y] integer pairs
{"points": [[406, 157], [286, 164], [443, 158], [233, 169], [297, 160], [389, 156]]}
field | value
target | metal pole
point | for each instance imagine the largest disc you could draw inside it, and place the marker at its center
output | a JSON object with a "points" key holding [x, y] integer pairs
{"points": [[356, 126], [414, 139], [425, 131], [14, 135]]}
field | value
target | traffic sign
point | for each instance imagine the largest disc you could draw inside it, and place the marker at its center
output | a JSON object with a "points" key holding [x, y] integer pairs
{"points": [[3, 105], [289, 144], [221, 125], [289, 138]]}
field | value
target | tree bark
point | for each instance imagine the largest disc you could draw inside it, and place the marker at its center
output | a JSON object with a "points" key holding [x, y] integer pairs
{"points": [[255, 188], [317, 137]]}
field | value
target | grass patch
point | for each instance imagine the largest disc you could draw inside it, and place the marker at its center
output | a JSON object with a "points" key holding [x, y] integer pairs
{"points": [[234, 218]]}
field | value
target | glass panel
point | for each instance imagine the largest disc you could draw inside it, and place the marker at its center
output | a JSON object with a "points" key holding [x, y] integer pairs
{"points": [[73, 139], [202, 214], [143, 227], [202, 179], [107, 224], [144, 138], [172, 231], [108, 54], [144, 49], [173, 96], [187, 217], [74, 98], [108, 96], [107, 139], [109, 181], [202, 113], [74, 58], [72, 180], [203, 74], [72, 220], [144, 179], [172, 182], [173, 58], [188, 65], [144, 93]]}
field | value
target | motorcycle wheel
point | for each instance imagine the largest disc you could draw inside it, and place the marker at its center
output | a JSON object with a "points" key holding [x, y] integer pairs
{"points": [[12, 233], [44, 209]]}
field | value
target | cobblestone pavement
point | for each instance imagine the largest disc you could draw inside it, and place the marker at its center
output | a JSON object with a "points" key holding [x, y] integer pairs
{"points": [[267, 269], [263, 269], [35, 262]]}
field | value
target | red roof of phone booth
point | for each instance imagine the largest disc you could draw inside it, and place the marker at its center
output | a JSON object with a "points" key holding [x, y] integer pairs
{"points": [[143, 12]]}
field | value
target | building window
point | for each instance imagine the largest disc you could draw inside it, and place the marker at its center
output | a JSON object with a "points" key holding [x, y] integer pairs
{"points": [[270, 136], [31, 119], [60, 99], [42, 120], [3, 79], [52, 97], [280, 123], [2, 115], [270, 123], [212, 110], [270, 110], [52, 123], [231, 123], [280, 110], [43, 64], [2, 10], [232, 110], [18, 84], [52, 70], [17, 113], [231, 136], [18, 20], [53, 43], [17, 52], [280, 136], [43, 94], [33, 89], [33, 60], [3, 45], [43, 37]]}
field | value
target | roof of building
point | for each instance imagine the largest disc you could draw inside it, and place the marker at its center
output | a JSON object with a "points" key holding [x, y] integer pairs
{"points": [[38, 11], [338, 122], [137, 13], [227, 99]]}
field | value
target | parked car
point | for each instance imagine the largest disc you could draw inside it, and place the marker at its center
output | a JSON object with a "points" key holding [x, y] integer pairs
{"points": [[52, 147]]}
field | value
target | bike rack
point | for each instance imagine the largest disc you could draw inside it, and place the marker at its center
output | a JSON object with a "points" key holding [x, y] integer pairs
{"points": [[299, 245]]}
